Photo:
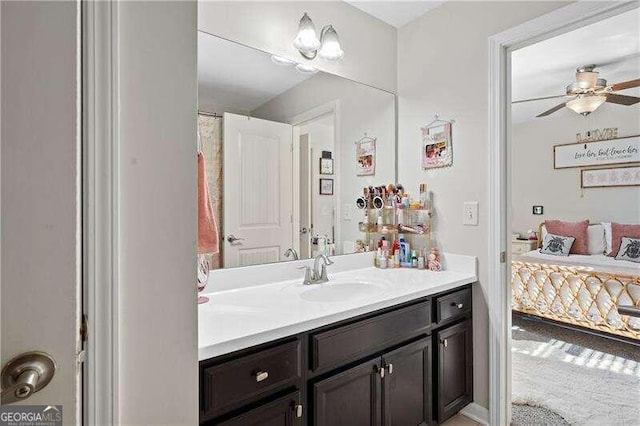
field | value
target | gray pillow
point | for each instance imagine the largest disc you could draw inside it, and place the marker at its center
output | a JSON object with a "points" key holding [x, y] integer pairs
{"points": [[629, 250], [556, 245]]}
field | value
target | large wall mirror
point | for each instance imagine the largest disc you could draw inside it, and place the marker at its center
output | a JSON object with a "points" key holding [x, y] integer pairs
{"points": [[280, 144]]}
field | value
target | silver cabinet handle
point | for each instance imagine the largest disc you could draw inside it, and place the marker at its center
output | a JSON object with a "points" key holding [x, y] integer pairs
{"points": [[262, 375], [298, 410], [232, 238], [381, 372], [25, 375], [444, 342], [390, 368], [458, 305]]}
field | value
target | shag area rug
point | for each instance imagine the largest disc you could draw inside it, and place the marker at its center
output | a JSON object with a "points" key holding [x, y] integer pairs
{"points": [[529, 415], [585, 379]]}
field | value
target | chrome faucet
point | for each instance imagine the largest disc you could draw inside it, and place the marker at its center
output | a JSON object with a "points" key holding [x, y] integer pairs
{"points": [[292, 252], [317, 276]]}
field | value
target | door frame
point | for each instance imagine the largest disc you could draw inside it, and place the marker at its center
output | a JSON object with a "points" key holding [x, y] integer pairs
{"points": [[100, 210], [298, 120], [500, 46]]}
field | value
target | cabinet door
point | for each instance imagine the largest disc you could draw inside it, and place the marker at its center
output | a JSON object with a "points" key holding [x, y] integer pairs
{"points": [[455, 369], [284, 411], [407, 385], [350, 398]]}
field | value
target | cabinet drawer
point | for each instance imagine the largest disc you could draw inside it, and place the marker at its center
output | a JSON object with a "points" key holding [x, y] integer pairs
{"points": [[362, 338], [281, 412], [241, 380], [453, 305]]}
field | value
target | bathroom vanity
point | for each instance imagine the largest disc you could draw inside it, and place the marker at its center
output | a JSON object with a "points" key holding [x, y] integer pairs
{"points": [[393, 347]]}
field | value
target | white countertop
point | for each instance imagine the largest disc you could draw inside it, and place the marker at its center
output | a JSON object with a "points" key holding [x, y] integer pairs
{"points": [[239, 318]]}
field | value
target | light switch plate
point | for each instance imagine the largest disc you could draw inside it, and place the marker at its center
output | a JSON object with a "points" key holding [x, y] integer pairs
{"points": [[470, 213]]}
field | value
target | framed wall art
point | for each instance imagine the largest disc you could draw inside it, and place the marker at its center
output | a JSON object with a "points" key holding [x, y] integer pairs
{"points": [[597, 153], [610, 177], [326, 186], [326, 166]]}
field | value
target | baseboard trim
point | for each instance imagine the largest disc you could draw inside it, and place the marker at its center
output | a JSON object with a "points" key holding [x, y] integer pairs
{"points": [[476, 412]]}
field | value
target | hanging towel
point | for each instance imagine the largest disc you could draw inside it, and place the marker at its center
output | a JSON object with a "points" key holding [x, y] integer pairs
{"points": [[207, 229]]}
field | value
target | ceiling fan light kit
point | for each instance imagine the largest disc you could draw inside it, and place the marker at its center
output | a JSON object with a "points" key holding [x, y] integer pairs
{"points": [[586, 104], [589, 92]]}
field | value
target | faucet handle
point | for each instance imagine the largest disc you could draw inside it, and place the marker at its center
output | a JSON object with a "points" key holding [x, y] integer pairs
{"points": [[307, 275], [323, 273]]}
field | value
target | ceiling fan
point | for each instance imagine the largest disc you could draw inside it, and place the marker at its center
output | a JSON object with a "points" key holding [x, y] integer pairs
{"points": [[588, 92]]}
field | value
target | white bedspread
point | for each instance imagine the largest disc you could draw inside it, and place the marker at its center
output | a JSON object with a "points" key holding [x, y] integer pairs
{"points": [[594, 262]]}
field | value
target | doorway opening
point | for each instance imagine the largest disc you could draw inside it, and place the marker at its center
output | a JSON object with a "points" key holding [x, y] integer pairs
{"points": [[502, 207]]}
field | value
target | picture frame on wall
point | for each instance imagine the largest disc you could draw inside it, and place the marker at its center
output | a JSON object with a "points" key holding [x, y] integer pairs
{"points": [[366, 156], [326, 166], [610, 177], [326, 186], [437, 146], [605, 152]]}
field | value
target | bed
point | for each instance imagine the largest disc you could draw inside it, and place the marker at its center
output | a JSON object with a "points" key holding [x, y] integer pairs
{"points": [[580, 290]]}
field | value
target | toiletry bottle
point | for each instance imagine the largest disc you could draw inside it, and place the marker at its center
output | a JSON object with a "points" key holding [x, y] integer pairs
{"points": [[423, 195], [414, 259], [405, 254], [396, 259], [382, 261], [421, 259]]}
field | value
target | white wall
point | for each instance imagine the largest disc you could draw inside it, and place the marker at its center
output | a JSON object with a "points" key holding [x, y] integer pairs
{"points": [[535, 182], [321, 134], [369, 44], [363, 109], [442, 67], [158, 364]]}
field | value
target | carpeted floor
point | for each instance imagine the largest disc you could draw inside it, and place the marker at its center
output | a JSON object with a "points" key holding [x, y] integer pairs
{"points": [[565, 377]]}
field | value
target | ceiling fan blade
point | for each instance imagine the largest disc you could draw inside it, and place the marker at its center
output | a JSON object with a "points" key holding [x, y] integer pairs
{"points": [[621, 99], [626, 85], [552, 110], [538, 99]]}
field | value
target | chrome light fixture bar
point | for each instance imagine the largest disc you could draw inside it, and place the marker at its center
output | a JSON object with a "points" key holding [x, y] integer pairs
{"points": [[307, 42]]}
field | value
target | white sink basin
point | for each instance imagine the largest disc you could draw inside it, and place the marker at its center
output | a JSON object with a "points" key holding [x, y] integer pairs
{"points": [[339, 291]]}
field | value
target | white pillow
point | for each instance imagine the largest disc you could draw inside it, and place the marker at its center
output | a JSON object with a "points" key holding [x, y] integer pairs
{"points": [[607, 237], [596, 243]]}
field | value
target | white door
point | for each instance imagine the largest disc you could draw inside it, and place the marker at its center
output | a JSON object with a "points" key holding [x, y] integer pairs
{"points": [[258, 195], [41, 251], [305, 196]]}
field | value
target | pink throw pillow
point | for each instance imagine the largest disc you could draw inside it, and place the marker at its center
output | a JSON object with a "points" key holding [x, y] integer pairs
{"points": [[577, 230], [619, 230]]}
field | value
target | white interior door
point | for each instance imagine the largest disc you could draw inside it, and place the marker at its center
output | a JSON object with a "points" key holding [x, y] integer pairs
{"points": [[258, 195], [305, 196], [40, 211]]}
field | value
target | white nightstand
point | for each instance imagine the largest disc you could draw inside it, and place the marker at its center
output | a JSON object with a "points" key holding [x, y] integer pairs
{"points": [[523, 246]]}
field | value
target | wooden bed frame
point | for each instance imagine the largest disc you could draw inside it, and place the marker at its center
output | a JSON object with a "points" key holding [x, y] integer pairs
{"points": [[581, 298]]}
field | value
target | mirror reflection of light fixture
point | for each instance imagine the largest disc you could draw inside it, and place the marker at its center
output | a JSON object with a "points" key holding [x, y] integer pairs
{"points": [[586, 104], [307, 43], [306, 69], [281, 61]]}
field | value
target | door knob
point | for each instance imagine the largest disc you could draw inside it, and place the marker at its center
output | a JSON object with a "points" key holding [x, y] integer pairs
{"points": [[303, 231], [25, 375], [232, 238]]}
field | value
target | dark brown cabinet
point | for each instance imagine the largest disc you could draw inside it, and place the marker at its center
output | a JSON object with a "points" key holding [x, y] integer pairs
{"points": [[407, 365], [454, 364], [284, 411], [349, 398], [407, 386]]}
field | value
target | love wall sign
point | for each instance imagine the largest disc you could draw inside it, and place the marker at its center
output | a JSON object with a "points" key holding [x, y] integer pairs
{"points": [[597, 153]]}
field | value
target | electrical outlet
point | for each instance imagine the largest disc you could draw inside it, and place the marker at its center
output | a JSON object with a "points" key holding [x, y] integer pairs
{"points": [[347, 212], [470, 213]]}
